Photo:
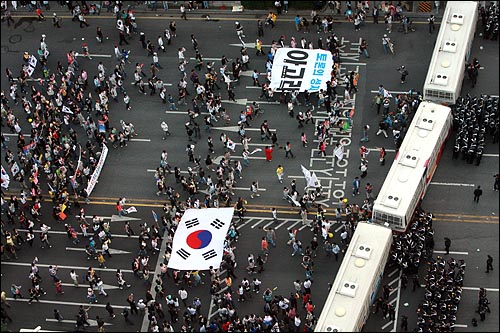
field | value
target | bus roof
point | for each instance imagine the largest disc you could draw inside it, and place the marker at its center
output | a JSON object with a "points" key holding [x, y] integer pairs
{"points": [[447, 66], [354, 280], [404, 177]]}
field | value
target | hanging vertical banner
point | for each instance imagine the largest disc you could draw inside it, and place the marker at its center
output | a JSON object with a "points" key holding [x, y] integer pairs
{"points": [[199, 238], [301, 70], [97, 171]]}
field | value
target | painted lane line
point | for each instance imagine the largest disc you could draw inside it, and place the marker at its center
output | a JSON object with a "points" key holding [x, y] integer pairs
{"points": [[477, 289], [92, 322], [97, 305], [453, 184], [80, 268], [247, 188], [79, 233], [112, 251], [294, 224], [141, 140], [105, 286], [451, 252]]}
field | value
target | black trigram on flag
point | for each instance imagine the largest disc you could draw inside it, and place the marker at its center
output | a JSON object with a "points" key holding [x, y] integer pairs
{"points": [[209, 255], [192, 223], [183, 253], [217, 224]]}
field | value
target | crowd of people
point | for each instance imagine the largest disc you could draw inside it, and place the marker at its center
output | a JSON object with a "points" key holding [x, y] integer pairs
{"points": [[475, 118], [70, 122], [410, 247], [443, 292], [489, 20]]}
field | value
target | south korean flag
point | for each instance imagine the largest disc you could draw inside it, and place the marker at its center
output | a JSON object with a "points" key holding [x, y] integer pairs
{"points": [[199, 239]]}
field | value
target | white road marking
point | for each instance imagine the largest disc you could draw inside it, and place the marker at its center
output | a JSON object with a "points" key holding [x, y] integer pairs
{"points": [[452, 184], [451, 252]]}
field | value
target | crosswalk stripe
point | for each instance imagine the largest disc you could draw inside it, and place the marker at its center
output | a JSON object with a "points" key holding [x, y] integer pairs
{"points": [[256, 224], [244, 224], [281, 224], [293, 224], [268, 224]]}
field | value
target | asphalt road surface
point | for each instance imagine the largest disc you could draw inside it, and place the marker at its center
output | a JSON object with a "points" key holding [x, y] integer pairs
{"points": [[128, 171]]}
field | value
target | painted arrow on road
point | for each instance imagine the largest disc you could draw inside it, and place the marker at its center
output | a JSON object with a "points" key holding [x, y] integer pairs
{"points": [[105, 286], [112, 251], [92, 322]]}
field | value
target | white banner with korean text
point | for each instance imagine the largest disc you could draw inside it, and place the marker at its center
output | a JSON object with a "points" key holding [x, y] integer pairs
{"points": [[199, 239], [301, 69], [97, 171]]}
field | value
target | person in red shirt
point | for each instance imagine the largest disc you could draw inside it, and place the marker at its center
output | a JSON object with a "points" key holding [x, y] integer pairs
{"points": [[269, 153], [40, 15], [264, 246], [305, 298], [322, 148]]}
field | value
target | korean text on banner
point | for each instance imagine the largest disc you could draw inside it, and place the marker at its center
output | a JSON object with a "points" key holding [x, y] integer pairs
{"points": [[199, 239], [301, 70], [97, 171]]}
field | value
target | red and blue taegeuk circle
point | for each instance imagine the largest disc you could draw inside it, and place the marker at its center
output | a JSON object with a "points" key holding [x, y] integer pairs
{"points": [[199, 239]]}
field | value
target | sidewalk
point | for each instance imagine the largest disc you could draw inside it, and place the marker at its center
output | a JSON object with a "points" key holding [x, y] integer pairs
{"points": [[217, 9]]}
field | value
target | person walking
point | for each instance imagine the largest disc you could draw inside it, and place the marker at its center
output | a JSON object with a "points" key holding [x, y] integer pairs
{"points": [[447, 244], [125, 315], [58, 316], [489, 264], [110, 310], [416, 282], [280, 172], [356, 183], [496, 184], [288, 150], [133, 306], [404, 323], [404, 73], [336, 251], [432, 27], [477, 193], [366, 128]]}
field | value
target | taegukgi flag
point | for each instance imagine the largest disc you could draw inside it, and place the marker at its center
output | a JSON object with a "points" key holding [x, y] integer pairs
{"points": [[301, 70], [199, 239]]}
